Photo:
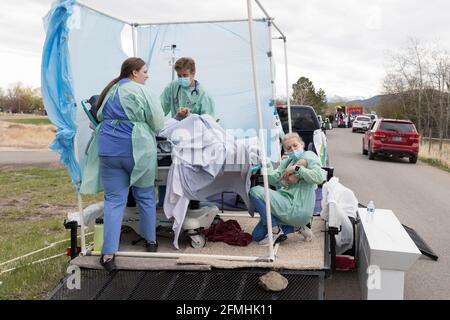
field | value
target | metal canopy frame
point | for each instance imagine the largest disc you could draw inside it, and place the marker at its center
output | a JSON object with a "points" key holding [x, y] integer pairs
{"points": [[250, 19]]}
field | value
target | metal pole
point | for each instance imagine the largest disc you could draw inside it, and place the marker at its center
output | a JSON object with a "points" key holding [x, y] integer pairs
{"points": [[133, 35], [82, 233], [288, 100], [263, 10], [270, 54], [279, 30], [262, 147], [181, 255], [272, 78], [174, 46], [194, 22], [269, 17], [80, 205], [102, 13]]}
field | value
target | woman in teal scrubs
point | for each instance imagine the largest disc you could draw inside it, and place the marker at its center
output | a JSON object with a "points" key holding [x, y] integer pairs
{"points": [[292, 204]]}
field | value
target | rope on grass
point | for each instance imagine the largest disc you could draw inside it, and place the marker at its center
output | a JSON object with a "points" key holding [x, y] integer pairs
{"points": [[35, 262], [51, 245]]}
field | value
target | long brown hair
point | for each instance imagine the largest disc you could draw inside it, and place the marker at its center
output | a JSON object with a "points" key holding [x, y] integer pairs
{"points": [[128, 66]]}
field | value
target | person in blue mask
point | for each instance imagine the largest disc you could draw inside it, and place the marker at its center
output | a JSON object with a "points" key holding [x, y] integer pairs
{"points": [[183, 97], [186, 95], [292, 206]]}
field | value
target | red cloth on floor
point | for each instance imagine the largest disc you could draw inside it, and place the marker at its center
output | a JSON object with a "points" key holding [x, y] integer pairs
{"points": [[229, 232]]}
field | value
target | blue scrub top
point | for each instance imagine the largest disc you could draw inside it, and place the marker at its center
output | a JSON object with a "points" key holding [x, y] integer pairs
{"points": [[116, 130]]}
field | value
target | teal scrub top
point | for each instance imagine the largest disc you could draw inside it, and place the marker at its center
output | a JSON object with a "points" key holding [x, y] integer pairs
{"points": [[294, 206], [198, 103]]}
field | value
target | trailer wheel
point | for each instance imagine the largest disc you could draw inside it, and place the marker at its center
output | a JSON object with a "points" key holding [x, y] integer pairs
{"points": [[198, 241]]}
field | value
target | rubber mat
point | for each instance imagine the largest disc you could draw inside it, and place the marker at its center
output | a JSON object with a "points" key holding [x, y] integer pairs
{"points": [[189, 285]]}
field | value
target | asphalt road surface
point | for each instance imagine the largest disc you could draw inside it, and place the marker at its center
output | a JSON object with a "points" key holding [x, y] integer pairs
{"points": [[418, 194], [19, 158]]}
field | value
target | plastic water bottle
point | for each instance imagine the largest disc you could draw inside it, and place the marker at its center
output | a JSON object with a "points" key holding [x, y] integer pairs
{"points": [[98, 234], [370, 211]]}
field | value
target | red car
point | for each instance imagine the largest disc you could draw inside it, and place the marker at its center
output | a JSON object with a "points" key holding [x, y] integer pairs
{"points": [[393, 138]]}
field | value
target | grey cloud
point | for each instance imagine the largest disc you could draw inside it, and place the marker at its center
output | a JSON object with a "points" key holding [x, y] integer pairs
{"points": [[340, 45]]}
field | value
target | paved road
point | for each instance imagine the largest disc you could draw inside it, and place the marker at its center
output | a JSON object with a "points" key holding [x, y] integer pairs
{"points": [[418, 194], [10, 158]]}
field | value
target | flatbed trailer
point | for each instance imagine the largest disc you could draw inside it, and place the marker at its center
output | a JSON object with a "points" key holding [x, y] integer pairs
{"points": [[306, 265]]}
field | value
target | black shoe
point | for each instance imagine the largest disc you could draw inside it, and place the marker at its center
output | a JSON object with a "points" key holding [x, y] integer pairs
{"points": [[152, 246], [109, 265]]}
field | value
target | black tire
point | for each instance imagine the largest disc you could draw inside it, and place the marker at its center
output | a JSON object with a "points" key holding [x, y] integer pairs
{"points": [[353, 130], [370, 153], [413, 159], [364, 151]]}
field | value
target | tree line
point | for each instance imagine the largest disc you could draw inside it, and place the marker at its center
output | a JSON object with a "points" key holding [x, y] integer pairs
{"points": [[304, 93], [21, 99], [417, 87]]}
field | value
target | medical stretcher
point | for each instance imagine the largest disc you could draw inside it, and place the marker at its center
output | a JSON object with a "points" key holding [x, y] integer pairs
{"points": [[197, 218]]}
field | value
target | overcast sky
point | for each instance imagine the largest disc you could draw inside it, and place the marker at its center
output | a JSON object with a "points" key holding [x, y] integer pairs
{"points": [[342, 46]]}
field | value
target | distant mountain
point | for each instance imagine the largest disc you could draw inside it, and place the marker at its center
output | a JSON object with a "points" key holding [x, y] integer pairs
{"points": [[371, 103], [338, 99]]}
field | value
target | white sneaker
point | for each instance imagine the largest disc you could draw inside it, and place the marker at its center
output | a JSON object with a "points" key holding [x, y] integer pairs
{"points": [[306, 233], [277, 238]]}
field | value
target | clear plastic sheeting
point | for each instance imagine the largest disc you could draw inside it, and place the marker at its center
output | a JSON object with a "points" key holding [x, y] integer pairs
{"points": [[222, 55], [84, 52], [96, 56], [223, 66]]}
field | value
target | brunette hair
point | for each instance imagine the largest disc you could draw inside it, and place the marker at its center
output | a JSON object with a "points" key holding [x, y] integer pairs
{"points": [[185, 63], [128, 66]]}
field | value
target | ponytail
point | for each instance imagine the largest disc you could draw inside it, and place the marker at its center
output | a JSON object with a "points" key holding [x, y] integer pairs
{"points": [[105, 92]]}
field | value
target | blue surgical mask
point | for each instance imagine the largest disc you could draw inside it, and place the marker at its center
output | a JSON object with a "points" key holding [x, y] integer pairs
{"points": [[184, 82], [296, 154]]}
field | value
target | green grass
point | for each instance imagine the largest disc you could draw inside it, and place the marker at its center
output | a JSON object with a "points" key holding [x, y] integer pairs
{"points": [[33, 205], [35, 121], [436, 163]]}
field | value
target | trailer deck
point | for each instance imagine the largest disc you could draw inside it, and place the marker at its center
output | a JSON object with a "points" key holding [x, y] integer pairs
{"points": [[304, 264]]}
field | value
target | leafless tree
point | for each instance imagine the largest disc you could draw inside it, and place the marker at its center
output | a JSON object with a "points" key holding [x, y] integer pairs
{"points": [[417, 86]]}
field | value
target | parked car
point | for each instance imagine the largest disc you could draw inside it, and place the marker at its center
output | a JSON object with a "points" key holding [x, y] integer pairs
{"points": [[306, 123], [361, 123], [372, 116], [393, 138]]}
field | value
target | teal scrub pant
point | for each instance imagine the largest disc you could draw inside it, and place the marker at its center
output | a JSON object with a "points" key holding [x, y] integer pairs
{"points": [[116, 172]]}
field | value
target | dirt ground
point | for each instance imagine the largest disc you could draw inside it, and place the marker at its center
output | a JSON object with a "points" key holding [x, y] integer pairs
{"points": [[25, 136]]}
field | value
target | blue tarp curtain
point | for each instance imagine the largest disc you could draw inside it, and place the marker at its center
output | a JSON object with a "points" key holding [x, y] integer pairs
{"points": [[57, 88]]}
